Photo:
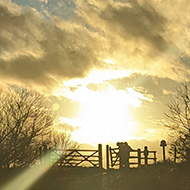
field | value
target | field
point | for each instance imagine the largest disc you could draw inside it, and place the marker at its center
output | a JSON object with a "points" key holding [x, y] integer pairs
{"points": [[157, 177]]}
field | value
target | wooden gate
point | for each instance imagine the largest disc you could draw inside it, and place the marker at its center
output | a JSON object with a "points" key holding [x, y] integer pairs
{"points": [[136, 157], [76, 157]]}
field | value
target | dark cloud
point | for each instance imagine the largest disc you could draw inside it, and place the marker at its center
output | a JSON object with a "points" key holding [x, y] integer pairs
{"points": [[140, 21], [35, 49], [152, 85], [185, 60], [149, 113]]}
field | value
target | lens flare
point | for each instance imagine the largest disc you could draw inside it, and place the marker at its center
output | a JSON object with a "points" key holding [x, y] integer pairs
{"points": [[31, 175]]}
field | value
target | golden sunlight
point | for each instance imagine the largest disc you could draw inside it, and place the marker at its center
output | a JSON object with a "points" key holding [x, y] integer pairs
{"points": [[109, 61], [95, 76], [104, 115]]}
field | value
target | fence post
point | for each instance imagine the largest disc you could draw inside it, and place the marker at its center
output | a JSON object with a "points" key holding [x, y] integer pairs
{"points": [[100, 155], [139, 156], [175, 154], [146, 155], [107, 157], [111, 158], [154, 157]]}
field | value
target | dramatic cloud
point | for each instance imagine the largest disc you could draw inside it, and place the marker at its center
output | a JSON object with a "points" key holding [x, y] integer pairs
{"points": [[34, 49], [136, 21], [48, 44], [146, 37]]}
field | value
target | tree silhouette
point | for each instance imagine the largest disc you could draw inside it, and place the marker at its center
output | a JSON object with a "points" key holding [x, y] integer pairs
{"points": [[178, 121], [26, 124]]}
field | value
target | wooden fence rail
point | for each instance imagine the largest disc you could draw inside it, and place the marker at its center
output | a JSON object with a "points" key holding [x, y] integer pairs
{"points": [[136, 157], [93, 158], [76, 157]]}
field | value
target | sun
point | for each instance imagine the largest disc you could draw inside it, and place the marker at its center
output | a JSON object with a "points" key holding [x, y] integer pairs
{"points": [[105, 117], [104, 113]]}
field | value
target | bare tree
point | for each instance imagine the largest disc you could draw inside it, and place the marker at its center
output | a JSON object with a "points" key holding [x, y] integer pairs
{"points": [[62, 144], [61, 137], [178, 121], [25, 124]]}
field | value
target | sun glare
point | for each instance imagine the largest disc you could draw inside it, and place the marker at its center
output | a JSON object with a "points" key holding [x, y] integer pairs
{"points": [[104, 115], [95, 76], [109, 61]]}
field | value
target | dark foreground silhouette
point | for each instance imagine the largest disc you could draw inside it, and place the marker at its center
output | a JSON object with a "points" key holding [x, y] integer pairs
{"points": [[158, 177]]}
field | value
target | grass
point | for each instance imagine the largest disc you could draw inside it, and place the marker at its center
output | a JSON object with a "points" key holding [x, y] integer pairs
{"points": [[158, 177]]}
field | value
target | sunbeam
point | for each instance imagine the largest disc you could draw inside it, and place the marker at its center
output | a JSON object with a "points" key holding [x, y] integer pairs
{"points": [[31, 175]]}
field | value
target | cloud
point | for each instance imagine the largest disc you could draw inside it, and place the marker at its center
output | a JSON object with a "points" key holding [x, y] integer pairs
{"points": [[35, 49], [135, 20], [131, 24], [139, 35], [143, 36], [159, 90]]}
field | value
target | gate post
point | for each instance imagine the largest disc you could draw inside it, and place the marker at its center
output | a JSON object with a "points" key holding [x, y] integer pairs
{"points": [[146, 155], [154, 157], [107, 157], [139, 157], [100, 155]]}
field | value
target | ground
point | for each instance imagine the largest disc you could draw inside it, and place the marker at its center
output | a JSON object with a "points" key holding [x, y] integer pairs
{"points": [[158, 177]]}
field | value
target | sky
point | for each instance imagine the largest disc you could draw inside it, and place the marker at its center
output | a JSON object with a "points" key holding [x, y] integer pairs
{"points": [[109, 67]]}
